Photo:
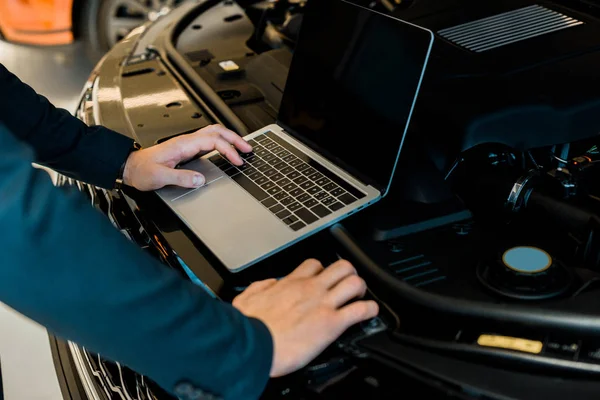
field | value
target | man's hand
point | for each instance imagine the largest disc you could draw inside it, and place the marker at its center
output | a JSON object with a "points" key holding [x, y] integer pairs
{"points": [[305, 311], [154, 167]]}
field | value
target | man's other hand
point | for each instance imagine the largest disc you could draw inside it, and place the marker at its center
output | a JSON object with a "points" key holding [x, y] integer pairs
{"points": [[154, 167], [307, 310]]}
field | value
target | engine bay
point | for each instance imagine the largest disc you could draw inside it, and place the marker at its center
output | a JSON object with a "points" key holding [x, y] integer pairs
{"points": [[486, 252], [505, 127]]}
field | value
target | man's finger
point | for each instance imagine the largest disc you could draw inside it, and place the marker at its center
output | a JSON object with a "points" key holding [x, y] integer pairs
{"points": [[352, 287], [336, 272], [357, 312], [181, 177], [229, 152], [233, 138], [259, 286], [308, 268]]}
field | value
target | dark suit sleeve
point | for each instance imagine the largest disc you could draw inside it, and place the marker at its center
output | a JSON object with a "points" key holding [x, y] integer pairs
{"points": [[66, 267], [61, 141]]}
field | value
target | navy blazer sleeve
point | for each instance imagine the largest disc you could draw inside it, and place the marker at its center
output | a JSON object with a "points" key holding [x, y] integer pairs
{"points": [[66, 267], [62, 142]]}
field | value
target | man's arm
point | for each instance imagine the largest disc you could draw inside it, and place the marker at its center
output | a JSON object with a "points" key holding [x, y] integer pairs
{"points": [[67, 268], [61, 141]]}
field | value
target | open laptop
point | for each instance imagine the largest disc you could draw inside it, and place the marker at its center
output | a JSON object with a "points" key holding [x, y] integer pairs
{"points": [[352, 85]]}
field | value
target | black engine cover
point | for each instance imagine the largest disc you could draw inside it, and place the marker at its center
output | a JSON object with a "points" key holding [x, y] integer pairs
{"points": [[536, 86]]}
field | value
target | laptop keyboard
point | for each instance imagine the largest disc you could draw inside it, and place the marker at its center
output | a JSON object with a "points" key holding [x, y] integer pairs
{"points": [[288, 183]]}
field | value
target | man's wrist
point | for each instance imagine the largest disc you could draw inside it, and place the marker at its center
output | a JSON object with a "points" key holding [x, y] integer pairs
{"points": [[123, 177]]}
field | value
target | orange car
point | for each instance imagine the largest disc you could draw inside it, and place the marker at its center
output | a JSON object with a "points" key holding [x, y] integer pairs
{"points": [[37, 21], [101, 23]]}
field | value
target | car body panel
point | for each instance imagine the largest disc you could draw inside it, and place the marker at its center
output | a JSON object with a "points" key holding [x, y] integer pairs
{"points": [[37, 22]]}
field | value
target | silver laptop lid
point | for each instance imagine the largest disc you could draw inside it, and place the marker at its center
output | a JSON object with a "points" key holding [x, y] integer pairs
{"points": [[352, 86]]}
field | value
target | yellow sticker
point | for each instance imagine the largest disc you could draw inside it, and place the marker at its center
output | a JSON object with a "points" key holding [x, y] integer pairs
{"points": [[229, 66], [511, 343]]}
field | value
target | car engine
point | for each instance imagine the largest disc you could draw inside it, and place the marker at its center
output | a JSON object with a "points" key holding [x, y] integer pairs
{"points": [[487, 249]]}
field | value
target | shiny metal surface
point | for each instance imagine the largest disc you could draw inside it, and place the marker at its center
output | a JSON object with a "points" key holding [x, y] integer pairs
{"points": [[507, 28], [85, 378], [211, 212], [156, 104]]}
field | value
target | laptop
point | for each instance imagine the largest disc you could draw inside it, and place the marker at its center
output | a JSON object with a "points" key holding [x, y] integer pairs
{"points": [[351, 89]]}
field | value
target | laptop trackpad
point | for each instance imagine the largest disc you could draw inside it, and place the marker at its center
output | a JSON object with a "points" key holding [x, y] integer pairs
{"points": [[208, 169]]}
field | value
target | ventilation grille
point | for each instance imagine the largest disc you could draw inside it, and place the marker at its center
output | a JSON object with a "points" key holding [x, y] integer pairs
{"points": [[416, 269], [506, 28]]}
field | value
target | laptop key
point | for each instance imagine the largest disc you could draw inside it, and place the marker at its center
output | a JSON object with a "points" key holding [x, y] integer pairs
{"points": [[313, 190], [289, 187], [270, 146], [286, 170], [336, 206], [321, 195], [277, 149], [270, 172], [280, 196], [276, 208], [308, 171], [295, 174], [290, 158], [283, 182], [290, 220], [347, 199], [320, 210], [261, 138], [250, 187], [294, 206], [337, 192], [252, 142], [316, 176], [267, 185], [263, 168], [310, 203], [302, 167], [288, 200], [284, 153], [303, 197], [298, 225], [297, 192], [296, 163], [328, 200], [306, 215], [322, 181], [218, 160], [261, 152], [330, 186], [232, 171], [279, 166], [300, 180], [261, 180], [269, 202], [269, 157], [244, 167], [307, 184], [257, 162], [277, 177], [274, 190], [254, 176], [283, 214]]}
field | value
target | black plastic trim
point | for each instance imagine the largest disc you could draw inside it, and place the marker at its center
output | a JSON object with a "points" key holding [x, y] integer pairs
{"points": [[400, 294], [170, 54]]}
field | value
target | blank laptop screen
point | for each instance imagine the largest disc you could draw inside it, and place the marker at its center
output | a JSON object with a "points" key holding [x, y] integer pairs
{"points": [[352, 84]]}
